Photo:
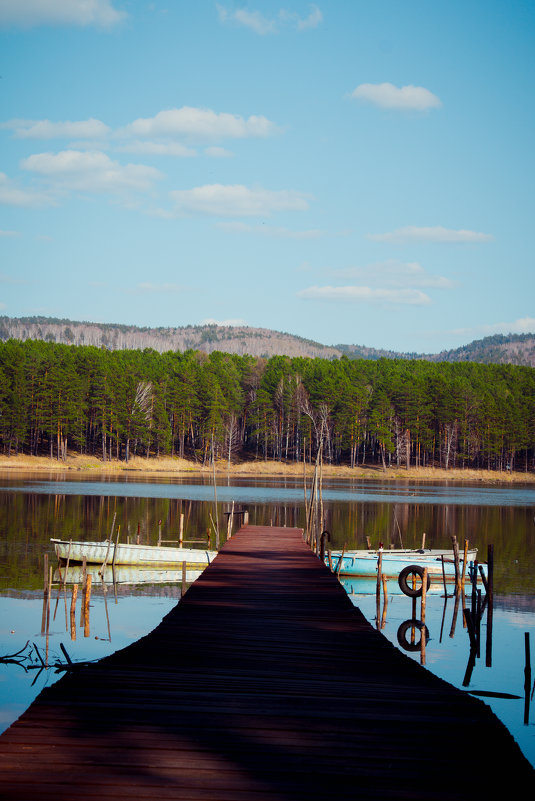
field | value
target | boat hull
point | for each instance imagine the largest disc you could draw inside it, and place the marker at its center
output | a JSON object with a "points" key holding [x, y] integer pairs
{"points": [[363, 564], [124, 574], [129, 554]]}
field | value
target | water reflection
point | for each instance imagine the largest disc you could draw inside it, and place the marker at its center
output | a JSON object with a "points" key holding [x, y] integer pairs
{"points": [[284, 490], [124, 608], [481, 648]]}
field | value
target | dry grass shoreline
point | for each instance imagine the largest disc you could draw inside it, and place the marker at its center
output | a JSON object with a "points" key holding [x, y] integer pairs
{"points": [[175, 467]]}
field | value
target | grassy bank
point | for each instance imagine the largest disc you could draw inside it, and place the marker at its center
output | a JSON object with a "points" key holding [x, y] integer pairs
{"points": [[167, 466]]}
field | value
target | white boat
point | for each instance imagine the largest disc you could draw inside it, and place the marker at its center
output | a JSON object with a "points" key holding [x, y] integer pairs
{"points": [[124, 574], [364, 563], [108, 552]]}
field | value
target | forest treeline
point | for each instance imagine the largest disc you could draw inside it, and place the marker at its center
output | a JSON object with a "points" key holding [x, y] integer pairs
{"points": [[115, 404]]}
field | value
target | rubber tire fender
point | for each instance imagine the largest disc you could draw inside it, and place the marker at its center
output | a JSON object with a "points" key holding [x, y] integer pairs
{"points": [[404, 584], [402, 635]]}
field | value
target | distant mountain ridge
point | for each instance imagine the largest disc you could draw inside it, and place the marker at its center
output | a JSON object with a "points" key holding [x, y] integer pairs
{"points": [[260, 342]]}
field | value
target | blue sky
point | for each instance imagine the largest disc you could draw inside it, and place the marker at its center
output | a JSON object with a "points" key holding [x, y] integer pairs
{"points": [[345, 171]]}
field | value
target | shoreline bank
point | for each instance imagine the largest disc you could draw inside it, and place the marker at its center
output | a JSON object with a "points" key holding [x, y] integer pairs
{"points": [[166, 466]]}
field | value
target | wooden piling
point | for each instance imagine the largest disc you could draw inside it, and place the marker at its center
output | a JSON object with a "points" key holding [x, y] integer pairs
{"points": [[385, 601], [74, 596], [489, 589], [86, 599], [527, 678], [378, 586], [444, 576], [424, 606], [183, 592], [115, 548], [45, 592], [456, 563]]}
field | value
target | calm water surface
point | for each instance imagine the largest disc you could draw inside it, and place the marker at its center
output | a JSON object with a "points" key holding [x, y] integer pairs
{"points": [[34, 510]]}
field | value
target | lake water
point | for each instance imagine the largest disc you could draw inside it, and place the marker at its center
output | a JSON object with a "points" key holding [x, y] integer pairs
{"points": [[32, 510]]}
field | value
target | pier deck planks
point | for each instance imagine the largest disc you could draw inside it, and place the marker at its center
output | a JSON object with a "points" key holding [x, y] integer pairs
{"points": [[264, 683]]}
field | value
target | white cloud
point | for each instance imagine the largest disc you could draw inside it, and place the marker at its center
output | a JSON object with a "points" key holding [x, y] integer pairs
{"points": [[405, 98], [12, 195], [45, 129], [30, 13], [314, 19], [276, 232], [90, 172], [395, 273], [9, 233], [234, 323], [524, 325], [436, 233], [259, 23], [200, 123], [236, 201], [156, 149], [254, 20], [365, 294], [218, 153]]}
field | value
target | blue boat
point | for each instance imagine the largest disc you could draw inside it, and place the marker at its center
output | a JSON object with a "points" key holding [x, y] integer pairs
{"points": [[363, 564]]}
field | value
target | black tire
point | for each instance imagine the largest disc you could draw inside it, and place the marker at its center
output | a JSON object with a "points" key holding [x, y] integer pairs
{"points": [[402, 635], [407, 587]]}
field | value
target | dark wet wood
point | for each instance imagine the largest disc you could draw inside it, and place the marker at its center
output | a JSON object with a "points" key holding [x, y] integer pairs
{"points": [[264, 683]]}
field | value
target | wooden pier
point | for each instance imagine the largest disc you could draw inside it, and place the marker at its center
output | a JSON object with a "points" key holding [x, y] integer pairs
{"points": [[264, 683]]}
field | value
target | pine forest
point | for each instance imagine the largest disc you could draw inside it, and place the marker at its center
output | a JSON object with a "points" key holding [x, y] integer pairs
{"points": [[56, 398]]}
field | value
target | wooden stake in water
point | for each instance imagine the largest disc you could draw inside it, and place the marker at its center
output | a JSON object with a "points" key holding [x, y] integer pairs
{"points": [[456, 562], [74, 596], [489, 587], [45, 593], [527, 678], [86, 599], [385, 602], [183, 579], [101, 571], [378, 586], [424, 606]]}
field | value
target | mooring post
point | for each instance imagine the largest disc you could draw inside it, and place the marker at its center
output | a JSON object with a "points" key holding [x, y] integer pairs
{"points": [[340, 559], [45, 593], [324, 534], [86, 599], [183, 579], [444, 576], [527, 678], [456, 562], [74, 596], [385, 602], [424, 605], [489, 589], [378, 586]]}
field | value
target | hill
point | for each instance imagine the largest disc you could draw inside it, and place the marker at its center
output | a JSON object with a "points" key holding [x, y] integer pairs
{"points": [[498, 349]]}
